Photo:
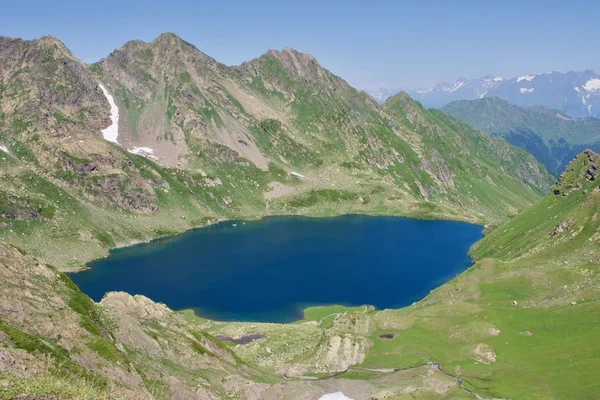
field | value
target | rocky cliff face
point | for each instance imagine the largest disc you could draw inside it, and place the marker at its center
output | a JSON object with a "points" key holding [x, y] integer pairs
{"points": [[45, 85]]}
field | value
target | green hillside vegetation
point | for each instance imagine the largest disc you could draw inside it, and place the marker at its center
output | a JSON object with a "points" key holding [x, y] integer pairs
{"points": [[520, 323], [552, 137]]}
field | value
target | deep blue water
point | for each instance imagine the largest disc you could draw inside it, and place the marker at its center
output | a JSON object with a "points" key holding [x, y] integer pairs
{"points": [[270, 270]]}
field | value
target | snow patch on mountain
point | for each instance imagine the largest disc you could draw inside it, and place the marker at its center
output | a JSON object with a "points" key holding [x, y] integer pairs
{"points": [[335, 396], [426, 90], [4, 149], [454, 87], [141, 150], [112, 131], [528, 78], [592, 85], [570, 92]]}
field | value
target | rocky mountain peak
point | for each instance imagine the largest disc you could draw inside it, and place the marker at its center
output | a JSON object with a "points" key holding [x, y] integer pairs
{"points": [[401, 96], [401, 101], [303, 65], [167, 53], [169, 38], [53, 47], [47, 84], [52, 42], [404, 106], [169, 44]]}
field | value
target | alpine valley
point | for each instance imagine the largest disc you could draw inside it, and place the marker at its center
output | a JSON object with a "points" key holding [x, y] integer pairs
{"points": [[551, 136], [158, 138]]}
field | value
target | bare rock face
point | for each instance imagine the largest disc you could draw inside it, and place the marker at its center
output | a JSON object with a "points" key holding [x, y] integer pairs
{"points": [[303, 65], [484, 354], [48, 86], [562, 226], [340, 352], [138, 306]]}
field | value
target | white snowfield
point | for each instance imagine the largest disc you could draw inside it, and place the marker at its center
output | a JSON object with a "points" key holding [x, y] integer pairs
{"points": [[526, 90], [297, 174], [112, 132], [335, 396], [592, 85], [455, 87], [528, 78], [426, 90], [141, 150], [4, 149]]}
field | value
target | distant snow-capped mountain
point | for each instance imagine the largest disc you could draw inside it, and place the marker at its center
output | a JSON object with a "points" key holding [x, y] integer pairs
{"points": [[461, 89], [576, 94]]}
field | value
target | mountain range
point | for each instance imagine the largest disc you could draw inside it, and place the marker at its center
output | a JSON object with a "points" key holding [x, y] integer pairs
{"points": [[158, 138], [203, 141], [551, 136], [576, 94]]}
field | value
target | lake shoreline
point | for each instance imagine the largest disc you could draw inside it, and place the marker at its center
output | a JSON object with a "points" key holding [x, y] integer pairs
{"points": [[280, 253], [135, 242]]}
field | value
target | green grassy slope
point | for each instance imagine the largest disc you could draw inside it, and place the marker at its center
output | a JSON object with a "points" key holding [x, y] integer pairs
{"points": [[521, 323], [532, 299]]}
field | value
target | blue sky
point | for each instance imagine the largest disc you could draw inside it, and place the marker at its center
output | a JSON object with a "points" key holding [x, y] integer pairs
{"points": [[368, 43]]}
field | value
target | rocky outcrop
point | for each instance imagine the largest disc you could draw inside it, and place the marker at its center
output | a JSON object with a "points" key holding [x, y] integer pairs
{"points": [[583, 168], [562, 226], [484, 354], [127, 193]]}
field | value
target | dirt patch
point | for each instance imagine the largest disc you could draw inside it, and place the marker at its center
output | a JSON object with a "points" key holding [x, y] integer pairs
{"points": [[277, 189], [238, 139], [241, 340], [386, 336]]}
